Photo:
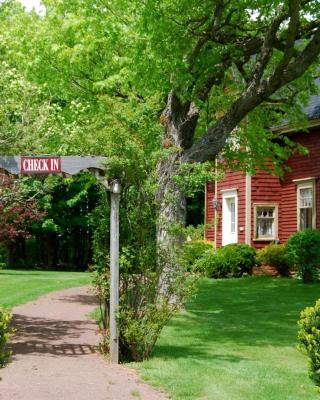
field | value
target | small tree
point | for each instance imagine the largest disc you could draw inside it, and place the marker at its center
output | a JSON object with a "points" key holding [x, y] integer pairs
{"points": [[18, 210], [303, 250]]}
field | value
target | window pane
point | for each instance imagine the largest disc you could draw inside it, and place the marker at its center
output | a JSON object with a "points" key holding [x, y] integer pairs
{"points": [[265, 220], [306, 198], [305, 218], [233, 216], [265, 228]]}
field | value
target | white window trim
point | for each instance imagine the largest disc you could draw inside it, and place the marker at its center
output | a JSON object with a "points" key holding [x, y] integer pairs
{"points": [[276, 213], [306, 183], [229, 192]]}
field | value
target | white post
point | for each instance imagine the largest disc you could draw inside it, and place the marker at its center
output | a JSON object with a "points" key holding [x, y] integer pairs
{"points": [[115, 190]]}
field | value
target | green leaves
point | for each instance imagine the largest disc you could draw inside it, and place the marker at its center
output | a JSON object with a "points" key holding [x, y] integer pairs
{"points": [[5, 333]]}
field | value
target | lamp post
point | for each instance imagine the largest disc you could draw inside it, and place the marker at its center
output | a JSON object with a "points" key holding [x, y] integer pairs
{"points": [[115, 191]]}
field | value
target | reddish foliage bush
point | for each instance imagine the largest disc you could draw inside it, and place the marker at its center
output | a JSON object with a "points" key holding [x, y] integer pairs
{"points": [[18, 209]]}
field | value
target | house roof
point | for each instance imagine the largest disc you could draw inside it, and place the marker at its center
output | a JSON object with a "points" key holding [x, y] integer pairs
{"points": [[312, 109]]}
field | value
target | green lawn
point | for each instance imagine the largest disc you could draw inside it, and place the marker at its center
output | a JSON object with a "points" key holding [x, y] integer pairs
{"points": [[236, 341], [17, 287]]}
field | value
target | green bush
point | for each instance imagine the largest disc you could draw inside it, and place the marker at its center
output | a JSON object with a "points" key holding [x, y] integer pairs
{"points": [[232, 260], [194, 251], [5, 332], [303, 251], [139, 335], [309, 338], [275, 256], [212, 265]]}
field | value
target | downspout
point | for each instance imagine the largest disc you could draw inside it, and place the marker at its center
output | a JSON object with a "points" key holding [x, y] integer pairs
{"points": [[216, 197], [248, 210]]}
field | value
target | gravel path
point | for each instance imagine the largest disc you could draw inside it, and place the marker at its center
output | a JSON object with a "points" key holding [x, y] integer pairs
{"points": [[55, 355]]}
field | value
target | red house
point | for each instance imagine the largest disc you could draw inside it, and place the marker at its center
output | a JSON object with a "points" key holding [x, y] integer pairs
{"points": [[262, 208]]}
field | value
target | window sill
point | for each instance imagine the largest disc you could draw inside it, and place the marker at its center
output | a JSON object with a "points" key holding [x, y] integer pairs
{"points": [[271, 239]]}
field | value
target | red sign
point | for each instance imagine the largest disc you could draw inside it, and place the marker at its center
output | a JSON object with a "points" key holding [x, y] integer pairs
{"points": [[43, 165]]}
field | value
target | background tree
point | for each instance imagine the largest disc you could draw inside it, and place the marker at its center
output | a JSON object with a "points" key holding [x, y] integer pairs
{"points": [[18, 211]]}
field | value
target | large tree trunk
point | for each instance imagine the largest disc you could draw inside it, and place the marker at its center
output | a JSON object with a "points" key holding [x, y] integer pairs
{"points": [[180, 120]]}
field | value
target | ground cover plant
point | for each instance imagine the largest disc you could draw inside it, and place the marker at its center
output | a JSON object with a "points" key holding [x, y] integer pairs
{"points": [[18, 287], [236, 340]]}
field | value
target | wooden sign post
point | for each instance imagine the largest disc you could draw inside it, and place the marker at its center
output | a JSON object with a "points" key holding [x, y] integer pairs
{"points": [[69, 165], [115, 190]]}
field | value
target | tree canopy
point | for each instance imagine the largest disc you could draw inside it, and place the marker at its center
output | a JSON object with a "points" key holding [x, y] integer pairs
{"points": [[211, 63]]}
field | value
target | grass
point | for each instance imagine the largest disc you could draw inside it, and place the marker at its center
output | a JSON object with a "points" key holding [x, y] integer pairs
{"points": [[235, 341], [18, 286]]}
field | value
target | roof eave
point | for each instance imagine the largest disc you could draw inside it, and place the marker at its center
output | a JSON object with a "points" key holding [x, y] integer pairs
{"points": [[290, 129]]}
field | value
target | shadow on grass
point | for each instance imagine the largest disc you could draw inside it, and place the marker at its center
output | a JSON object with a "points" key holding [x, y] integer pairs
{"points": [[194, 353], [21, 273], [241, 312]]}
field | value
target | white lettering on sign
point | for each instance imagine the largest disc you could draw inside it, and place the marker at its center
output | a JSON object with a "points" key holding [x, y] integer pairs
{"points": [[44, 165]]}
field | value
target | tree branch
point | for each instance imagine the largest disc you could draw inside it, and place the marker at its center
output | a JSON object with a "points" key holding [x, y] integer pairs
{"points": [[212, 142]]}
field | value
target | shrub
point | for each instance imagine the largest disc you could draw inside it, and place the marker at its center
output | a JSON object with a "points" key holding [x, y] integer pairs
{"points": [[194, 251], [309, 338], [232, 260], [147, 299], [5, 332], [275, 256], [212, 265], [303, 251], [139, 335]]}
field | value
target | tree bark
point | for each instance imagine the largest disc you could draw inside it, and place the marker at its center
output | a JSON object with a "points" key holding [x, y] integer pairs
{"points": [[180, 120]]}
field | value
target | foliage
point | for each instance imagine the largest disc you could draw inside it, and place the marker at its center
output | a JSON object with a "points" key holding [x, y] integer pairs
{"points": [[5, 332], [193, 251], [303, 250], [232, 260], [139, 335], [193, 233], [275, 256], [18, 208], [191, 178], [90, 64], [309, 338], [144, 307]]}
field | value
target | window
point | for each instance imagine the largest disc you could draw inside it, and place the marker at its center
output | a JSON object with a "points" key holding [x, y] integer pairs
{"points": [[266, 221], [233, 215], [306, 214]]}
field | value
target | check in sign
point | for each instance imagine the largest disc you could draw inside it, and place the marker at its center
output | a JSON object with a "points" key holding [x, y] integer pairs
{"points": [[42, 165]]}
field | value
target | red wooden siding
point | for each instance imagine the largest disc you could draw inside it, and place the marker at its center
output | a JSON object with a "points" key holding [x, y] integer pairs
{"points": [[266, 188], [209, 211], [303, 166]]}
